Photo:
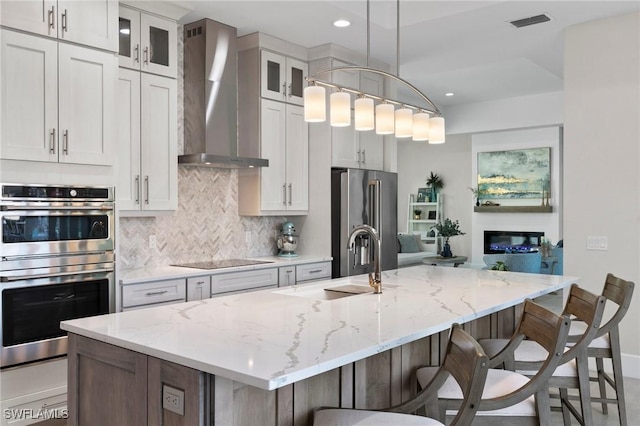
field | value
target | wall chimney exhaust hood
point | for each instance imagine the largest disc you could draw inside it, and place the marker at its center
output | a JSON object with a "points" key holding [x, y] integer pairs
{"points": [[211, 99]]}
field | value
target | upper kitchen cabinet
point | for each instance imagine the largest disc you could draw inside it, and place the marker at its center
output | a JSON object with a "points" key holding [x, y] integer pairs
{"points": [[58, 101], [90, 23], [147, 142], [271, 127], [148, 42], [282, 77], [351, 148]]}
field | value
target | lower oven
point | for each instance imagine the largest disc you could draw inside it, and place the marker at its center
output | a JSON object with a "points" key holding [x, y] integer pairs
{"points": [[57, 263], [32, 306]]}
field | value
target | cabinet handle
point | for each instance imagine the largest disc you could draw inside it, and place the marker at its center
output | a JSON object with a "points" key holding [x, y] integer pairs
{"points": [[146, 184], [65, 142], [64, 21], [284, 89], [145, 55], [315, 271], [200, 282], [290, 91], [290, 194], [284, 194], [359, 157], [364, 156], [156, 293], [137, 189], [52, 141], [137, 50], [51, 18]]}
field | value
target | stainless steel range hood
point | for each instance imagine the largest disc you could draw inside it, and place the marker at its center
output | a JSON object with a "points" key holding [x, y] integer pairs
{"points": [[210, 98]]}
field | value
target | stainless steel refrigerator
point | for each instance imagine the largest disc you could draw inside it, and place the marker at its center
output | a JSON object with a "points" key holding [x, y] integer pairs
{"points": [[363, 197]]}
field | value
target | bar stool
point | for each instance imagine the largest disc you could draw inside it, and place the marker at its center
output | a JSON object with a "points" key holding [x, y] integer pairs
{"points": [[508, 397], [464, 361], [573, 370], [606, 345]]}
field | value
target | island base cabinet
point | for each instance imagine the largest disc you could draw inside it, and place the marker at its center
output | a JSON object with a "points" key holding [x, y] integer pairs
{"points": [[109, 385]]}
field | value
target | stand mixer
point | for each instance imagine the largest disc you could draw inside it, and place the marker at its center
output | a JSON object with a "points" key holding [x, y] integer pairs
{"points": [[287, 241]]}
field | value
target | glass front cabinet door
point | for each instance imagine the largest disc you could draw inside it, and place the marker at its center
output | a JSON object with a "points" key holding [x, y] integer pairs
{"points": [[148, 42], [282, 78]]}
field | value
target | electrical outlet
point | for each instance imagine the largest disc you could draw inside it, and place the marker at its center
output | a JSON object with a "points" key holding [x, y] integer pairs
{"points": [[173, 399], [152, 242], [597, 243]]}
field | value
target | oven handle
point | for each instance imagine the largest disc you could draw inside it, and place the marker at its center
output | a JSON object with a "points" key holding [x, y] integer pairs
{"points": [[102, 207], [9, 279]]}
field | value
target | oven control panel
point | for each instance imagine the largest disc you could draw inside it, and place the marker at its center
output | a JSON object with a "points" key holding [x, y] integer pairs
{"points": [[55, 192]]}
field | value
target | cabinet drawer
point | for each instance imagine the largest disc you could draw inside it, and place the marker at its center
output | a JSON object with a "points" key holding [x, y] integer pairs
{"points": [[234, 281], [313, 271], [151, 293], [198, 288]]}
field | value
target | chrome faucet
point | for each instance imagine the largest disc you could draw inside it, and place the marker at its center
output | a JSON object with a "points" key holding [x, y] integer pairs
{"points": [[375, 279]]}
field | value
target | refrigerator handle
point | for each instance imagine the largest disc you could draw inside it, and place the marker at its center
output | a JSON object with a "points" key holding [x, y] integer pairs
{"points": [[375, 211]]}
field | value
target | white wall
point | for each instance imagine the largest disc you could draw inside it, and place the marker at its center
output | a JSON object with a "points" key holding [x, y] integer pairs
{"points": [[451, 161], [602, 159], [549, 223]]}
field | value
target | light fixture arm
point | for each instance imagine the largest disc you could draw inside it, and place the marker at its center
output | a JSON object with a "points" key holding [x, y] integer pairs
{"points": [[315, 80]]}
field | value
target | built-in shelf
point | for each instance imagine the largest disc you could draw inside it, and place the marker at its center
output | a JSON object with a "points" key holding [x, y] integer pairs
{"points": [[513, 209]]}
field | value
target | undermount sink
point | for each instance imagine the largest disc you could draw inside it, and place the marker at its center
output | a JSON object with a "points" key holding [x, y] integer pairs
{"points": [[329, 293]]}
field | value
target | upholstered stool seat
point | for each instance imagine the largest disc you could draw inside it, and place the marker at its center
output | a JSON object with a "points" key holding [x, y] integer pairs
{"points": [[342, 417], [499, 382]]}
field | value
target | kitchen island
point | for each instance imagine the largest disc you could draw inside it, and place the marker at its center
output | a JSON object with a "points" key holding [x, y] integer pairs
{"points": [[272, 356]]}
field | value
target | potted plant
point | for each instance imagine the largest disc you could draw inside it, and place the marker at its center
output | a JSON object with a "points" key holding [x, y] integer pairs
{"points": [[477, 193], [435, 183], [448, 229], [499, 266], [417, 214]]}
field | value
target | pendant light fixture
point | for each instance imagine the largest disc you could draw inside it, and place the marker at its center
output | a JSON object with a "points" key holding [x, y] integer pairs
{"points": [[364, 117], [340, 109], [409, 121]]}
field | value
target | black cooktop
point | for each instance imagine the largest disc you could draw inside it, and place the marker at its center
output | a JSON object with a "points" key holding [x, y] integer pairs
{"points": [[225, 263]]}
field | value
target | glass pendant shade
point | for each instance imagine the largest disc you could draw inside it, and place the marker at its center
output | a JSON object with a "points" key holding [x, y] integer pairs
{"points": [[385, 119], [340, 109], [404, 123], [315, 107], [436, 131], [364, 116], [421, 126]]}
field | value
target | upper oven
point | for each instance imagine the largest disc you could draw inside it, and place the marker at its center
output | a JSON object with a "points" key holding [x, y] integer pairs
{"points": [[61, 221]]}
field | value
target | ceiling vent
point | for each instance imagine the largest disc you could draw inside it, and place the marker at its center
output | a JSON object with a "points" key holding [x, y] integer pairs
{"points": [[532, 20]]}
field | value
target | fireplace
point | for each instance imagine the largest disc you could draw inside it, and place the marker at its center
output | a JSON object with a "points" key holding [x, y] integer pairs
{"points": [[512, 241]]}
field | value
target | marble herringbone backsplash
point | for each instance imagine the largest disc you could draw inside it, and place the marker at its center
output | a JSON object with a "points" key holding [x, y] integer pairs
{"points": [[205, 227]]}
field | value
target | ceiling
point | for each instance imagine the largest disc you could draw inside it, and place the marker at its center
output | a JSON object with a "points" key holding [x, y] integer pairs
{"points": [[465, 47]]}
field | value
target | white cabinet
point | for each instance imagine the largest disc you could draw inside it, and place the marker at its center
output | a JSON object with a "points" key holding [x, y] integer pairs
{"points": [[349, 147], [198, 288], [148, 42], [136, 296], [423, 216], [313, 272], [282, 77], [147, 129], [92, 23], [283, 187], [305, 273], [234, 282], [58, 101]]}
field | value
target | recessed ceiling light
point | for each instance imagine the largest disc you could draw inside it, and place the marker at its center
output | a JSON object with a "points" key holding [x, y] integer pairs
{"points": [[449, 94], [341, 23]]}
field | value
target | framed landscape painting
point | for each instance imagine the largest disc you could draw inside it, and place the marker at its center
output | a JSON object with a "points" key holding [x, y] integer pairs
{"points": [[519, 173]]}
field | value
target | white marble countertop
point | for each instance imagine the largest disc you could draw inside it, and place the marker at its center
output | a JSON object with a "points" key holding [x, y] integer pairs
{"points": [[142, 275], [275, 337]]}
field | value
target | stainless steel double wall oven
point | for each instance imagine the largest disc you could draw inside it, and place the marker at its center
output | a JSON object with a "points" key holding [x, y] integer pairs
{"points": [[57, 263]]}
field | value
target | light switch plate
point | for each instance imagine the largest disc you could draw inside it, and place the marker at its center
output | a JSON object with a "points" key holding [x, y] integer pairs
{"points": [[597, 243], [173, 399]]}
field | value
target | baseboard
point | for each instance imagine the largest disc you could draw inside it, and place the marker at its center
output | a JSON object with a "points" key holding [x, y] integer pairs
{"points": [[630, 365]]}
